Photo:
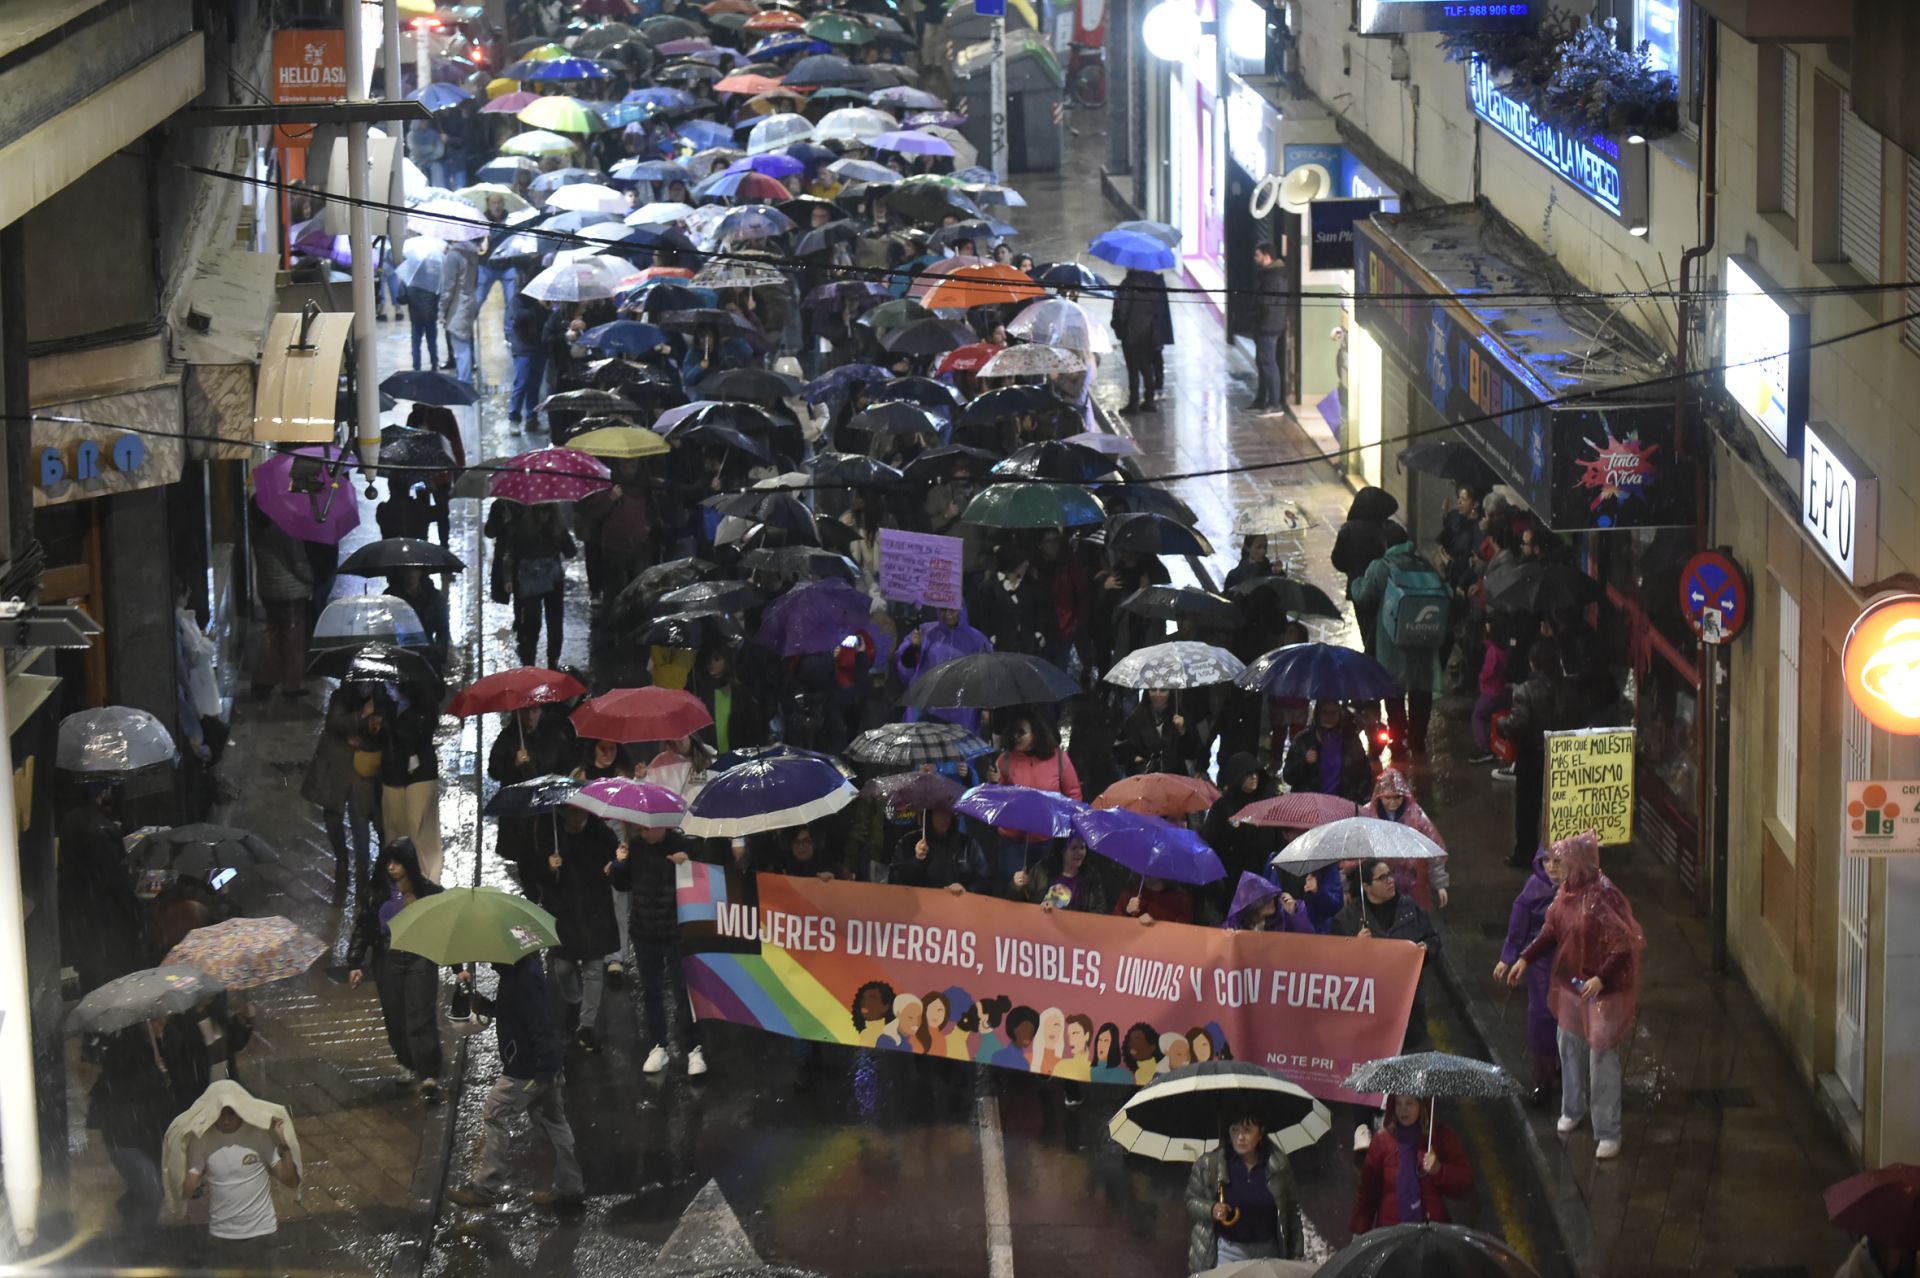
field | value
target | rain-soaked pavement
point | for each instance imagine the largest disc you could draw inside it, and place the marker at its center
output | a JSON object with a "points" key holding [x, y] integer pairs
{"points": [[867, 1165]]}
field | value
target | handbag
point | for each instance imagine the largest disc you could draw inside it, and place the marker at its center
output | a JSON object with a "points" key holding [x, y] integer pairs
{"points": [[500, 576], [535, 577]]}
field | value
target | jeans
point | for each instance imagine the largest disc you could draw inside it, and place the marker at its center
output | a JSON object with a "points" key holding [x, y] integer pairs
{"points": [[359, 813], [1584, 1068], [462, 357], [623, 918], [1229, 1251], [527, 611], [491, 275], [409, 1005], [425, 323], [581, 981], [140, 1205], [1266, 362], [660, 968], [541, 1103], [529, 373]]}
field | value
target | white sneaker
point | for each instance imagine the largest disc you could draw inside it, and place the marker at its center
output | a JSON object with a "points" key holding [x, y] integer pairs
{"points": [[1606, 1149], [1504, 773], [1362, 1139], [656, 1060], [1566, 1124], [696, 1063]]}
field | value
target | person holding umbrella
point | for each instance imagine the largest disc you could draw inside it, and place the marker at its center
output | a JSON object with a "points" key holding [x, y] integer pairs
{"points": [[1413, 1166], [1328, 756], [283, 578], [409, 770], [538, 545], [409, 984], [1242, 1199], [1143, 322], [1380, 911], [572, 884], [645, 869], [939, 855], [1883, 1207]]}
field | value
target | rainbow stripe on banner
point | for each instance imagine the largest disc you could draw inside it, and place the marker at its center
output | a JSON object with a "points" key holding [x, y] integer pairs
{"points": [[765, 988]]}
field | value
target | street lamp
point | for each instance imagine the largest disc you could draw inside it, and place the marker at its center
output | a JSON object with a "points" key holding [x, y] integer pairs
{"points": [[1171, 30]]}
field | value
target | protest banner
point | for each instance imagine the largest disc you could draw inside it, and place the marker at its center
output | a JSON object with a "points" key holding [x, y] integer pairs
{"points": [[1088, 998], [1590, 784], [921, 568]]}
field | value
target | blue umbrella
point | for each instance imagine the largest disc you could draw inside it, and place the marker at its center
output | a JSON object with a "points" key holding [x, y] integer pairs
{"points": [[814, 617], [553, 179], [783, 43], [774, 165], [1072, 275], [838, 381], [812, 154], [423, 387], [752, 221], [1319, 672], [1021, 808], [1148, 846], [441, 97], [768, 793], [704, 133], [667, 295], [660, 98], [624, 337], [558, 69], [620, 114], [1133, 250], [903, 274], [979, 173], [649, 171], [827, 70]]}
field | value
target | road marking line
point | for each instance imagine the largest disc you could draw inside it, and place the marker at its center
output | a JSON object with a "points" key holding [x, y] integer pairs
{"points": [[993, 1175]]}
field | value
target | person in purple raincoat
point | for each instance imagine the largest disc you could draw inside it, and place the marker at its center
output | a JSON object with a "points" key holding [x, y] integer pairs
{"points": [[1260, 906], [945, 637], [1529, 914]]}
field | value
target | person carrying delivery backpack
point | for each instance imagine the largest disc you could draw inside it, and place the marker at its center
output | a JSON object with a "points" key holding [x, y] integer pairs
{"points": [[1413, 606]]}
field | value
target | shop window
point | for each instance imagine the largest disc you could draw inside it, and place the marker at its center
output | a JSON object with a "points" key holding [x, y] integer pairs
{"points": [[1786, 699]]}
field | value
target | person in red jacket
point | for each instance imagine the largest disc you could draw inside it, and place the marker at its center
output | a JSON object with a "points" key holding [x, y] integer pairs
{"points": [[1413, 1166]]}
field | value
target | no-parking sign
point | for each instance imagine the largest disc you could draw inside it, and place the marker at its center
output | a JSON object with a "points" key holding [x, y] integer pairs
{"points": [[1713, 583]]}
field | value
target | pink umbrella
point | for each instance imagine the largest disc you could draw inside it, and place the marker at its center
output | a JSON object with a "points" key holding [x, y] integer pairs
{"points": [[510, 103], [550, 474], [322, 508], [1296, 811], [634, 802]]}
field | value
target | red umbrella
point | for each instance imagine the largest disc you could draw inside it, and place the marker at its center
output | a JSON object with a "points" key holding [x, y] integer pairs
{"points": [[1883, 1205], [1296, 811], [1161, 794], [747, 82], [641, 714], [550, 475], [970, 358], [515, 690], [758, 186], [775, 20]]}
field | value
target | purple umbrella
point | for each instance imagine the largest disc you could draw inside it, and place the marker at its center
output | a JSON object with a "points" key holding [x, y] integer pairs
{"points": [[1021, 808], [909, 98], [915, 791], [911, 142], [1150, 847], [634, 802], [770, 793], [814, 617], [324, 516], [774, 165], [940, 119]]}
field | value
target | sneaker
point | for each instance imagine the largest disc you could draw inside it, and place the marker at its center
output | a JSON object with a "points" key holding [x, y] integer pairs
{"points": [[471, 1195], [1362, 1138], [696, 1063], [405, 1077], [1502, 773], [656, 1060], [1606, 1149], [1480, 758], [1566, 1124], [513, 421], [587, 1040], [430, 1090], [615, 969]]}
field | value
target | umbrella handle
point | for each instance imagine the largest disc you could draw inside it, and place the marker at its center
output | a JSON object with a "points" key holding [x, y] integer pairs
{"points": [[1432, 1122]]}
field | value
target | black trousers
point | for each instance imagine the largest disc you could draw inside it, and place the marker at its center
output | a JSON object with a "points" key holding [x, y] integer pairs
{"points": [[1529, 776], [527, 612], [1146, 369], [409, 1005]]}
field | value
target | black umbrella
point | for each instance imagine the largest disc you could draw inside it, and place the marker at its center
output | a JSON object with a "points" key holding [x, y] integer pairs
{"points": [[702, 319], [375, 663], [856, 470], [395, 554], [1181, 1115], [1150, 534], [896, 417], [1008, 402], [1296, 598], [425, 387], [531, 798], [711, 434], [1450, 460], [930, 201], [975, 229], [1425, 1251], [921, 390], [660, 578], [800, 208], [588, 401], [726, 596], [990, 681], [756, 385], [822, 238], [827, 71], [1071, 275], [410, 448], [770, 507], [1533, 586], [1183, 603], [1057, 460], [664, 296], [939, 464], [198, 849], [690, 630], [748, 419], [801, 563], [928, 337], [1141, 498]]}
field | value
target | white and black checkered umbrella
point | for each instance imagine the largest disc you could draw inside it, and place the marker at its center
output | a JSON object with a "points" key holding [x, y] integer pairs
{"points": [[1181, 663], [908, 745]]}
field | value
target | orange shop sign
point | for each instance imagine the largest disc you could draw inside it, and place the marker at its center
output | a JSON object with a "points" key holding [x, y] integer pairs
{"points": [[1881, 663], [308, 66]]}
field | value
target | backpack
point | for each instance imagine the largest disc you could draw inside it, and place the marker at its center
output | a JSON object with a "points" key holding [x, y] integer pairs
{"points": [[1415, 608]]}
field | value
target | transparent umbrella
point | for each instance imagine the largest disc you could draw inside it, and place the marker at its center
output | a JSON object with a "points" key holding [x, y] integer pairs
{"points": [[113, 739], [364, 619], [1067, 324], [581, 279], [777, 132], [447, 219], [854, 124], [589, 197]]}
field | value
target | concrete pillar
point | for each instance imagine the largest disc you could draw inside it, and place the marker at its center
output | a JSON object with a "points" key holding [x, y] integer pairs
{"points": [[136, 553], [1120, 42], [16, 458]]}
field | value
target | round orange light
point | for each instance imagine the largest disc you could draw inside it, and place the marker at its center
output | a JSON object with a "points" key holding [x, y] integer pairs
{"points": [[1881, 664]]}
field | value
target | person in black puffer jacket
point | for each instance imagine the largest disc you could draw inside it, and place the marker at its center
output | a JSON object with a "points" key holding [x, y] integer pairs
{"points": [[647, 869], [409, 984], [573, 883], [1242, 848], [1361, 540]]}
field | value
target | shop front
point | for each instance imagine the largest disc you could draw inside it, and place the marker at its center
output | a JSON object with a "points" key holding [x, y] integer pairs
{"points": [[1186, 137], [1563, 424]]}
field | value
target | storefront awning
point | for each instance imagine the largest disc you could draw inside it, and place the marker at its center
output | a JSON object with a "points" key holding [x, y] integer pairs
{"points": [[1486, 326]]}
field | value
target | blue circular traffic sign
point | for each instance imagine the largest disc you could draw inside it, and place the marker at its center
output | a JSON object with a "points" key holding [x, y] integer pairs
{"points": [[1712, 581]]}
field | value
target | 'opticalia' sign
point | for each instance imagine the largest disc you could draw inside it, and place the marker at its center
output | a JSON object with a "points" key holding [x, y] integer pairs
{"points": [[1840, 504], [1391, 17], [1764, 364], [1612, 174]]}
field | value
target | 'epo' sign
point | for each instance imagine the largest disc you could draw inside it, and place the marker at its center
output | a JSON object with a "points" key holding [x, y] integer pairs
{"points": [[1839, 503]]}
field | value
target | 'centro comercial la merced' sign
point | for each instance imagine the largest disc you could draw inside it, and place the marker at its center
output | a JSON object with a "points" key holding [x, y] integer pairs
{"points": [[1611, 173]]}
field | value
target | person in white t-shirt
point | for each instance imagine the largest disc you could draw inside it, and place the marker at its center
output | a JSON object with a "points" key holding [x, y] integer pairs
{"points": [[233, 1162]]}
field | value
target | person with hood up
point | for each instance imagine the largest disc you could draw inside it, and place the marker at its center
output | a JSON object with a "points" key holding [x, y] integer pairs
{"points": [[1242, 848], [1393, 801], [939, 855], [1242, 1200], [1594, 989], [1414, 1164], [573, 884], [1528, 916], [1414, 667], [1329, 756], [1143, 321], [1260, 905], [943, 638], [1361, 540], [460, 302], [409, 984], [529, 1084]]}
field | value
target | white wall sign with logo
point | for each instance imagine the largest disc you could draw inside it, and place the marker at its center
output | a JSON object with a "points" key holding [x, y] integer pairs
{"points": [[1840, 503], [1764, 364], [1882, 818]]}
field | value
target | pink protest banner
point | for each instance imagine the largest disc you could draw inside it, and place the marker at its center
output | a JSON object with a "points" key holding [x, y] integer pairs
{"points": [[922, 568], [1089, 998]]}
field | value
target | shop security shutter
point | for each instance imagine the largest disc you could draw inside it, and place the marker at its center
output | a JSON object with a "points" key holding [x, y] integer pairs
{"points": [[1859, 192], [1790, 133], [1910, 331]]}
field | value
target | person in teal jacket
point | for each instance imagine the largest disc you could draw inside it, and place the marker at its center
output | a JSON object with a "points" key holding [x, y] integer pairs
{"points": [[1416, 670]]}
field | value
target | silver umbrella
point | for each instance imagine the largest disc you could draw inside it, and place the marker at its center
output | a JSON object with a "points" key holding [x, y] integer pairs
{"points": [[1032, 360], [113, 739], [363, 619], [140, 996], [1356, 839], [1181, 663], [1433, 1074]]}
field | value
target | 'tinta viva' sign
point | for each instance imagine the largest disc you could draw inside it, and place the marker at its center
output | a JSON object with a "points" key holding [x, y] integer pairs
{"points": [[1612, 174]]}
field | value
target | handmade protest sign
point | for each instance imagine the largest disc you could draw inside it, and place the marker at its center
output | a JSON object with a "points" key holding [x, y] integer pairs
{"points": [[1590, 784], [1089, 998], [922, 568]]}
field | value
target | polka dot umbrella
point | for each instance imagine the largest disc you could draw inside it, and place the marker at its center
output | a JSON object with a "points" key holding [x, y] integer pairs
{"points": [[550, 474]]}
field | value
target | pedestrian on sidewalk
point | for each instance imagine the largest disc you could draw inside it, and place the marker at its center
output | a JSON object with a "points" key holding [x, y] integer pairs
{"points": [[529, 1084], [283, 580], [538, 545], [423, 319], [1242, 1200], [409, 984], [410, 774], [1594, 989], [460, 303], [1524, 922], [533, 742], [646, 869], [1268, 325], [1361, 540], [527, 344], [1143, 322], [1540, 706], [1414, 1164], [236, 1162], [1411, 606], [575, 885]]}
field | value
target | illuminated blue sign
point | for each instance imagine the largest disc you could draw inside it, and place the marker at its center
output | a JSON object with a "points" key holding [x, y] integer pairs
{"points": [[1610, 173], [1391, 17]]}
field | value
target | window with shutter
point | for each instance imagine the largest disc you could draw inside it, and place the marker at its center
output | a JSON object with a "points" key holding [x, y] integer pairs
{"points": [[1786, 756], [1790, 133], [1910, 331], [1859, 192]]}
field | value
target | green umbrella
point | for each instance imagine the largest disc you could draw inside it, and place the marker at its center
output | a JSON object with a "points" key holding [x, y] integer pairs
{"points": [[1034, 506], [836, 29], [898, 313], [473, 925]]}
